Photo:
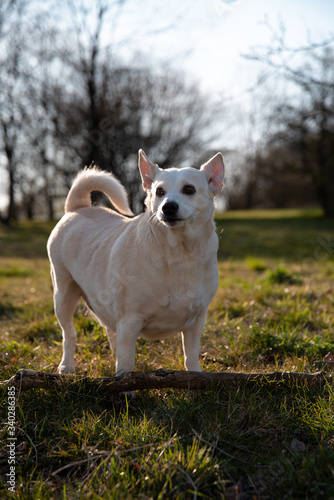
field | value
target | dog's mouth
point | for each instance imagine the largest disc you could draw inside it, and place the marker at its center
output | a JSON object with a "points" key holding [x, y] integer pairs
{"points": [[171, 221]]}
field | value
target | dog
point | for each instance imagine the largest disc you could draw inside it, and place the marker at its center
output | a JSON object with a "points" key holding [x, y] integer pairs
{"points": [[152, 275]]}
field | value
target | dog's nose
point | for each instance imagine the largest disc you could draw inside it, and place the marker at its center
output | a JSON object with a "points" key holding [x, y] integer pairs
{"points": [[170, 208]]}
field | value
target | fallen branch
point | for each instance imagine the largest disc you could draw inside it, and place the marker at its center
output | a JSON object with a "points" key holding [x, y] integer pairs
{"points": [[159, 379]]}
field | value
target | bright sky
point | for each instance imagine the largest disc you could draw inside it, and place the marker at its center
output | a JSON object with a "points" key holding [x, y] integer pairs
{"points": [[207, 37]]}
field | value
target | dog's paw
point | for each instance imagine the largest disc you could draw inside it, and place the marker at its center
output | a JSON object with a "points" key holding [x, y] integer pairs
{"points": [[65, 370]]}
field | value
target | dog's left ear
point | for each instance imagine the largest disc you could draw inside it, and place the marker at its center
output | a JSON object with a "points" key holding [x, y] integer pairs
{"points": [[147, 170], [214, 171]]}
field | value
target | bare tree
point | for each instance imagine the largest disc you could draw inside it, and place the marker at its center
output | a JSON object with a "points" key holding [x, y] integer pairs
{"points": [[112, 109], [304, 123], [12, 110], [29, 89]]}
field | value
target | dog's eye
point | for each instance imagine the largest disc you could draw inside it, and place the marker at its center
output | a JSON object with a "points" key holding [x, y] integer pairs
{"points": [[188, 189], [159, 191]]}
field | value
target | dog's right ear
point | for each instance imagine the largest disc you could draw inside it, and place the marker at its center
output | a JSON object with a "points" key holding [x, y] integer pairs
{"points": [[147, 170]]}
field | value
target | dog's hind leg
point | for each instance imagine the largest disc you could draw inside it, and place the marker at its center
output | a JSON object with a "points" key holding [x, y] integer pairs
{"points": [[67, 295], [112, 340]]}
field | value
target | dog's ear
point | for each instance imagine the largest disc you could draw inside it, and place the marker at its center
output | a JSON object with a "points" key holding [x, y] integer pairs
{"points": [[147, 170], [214, 171]]}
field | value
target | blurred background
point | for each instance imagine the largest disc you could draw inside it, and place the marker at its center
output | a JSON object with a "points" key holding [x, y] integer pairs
{"points": [[85, 82]]}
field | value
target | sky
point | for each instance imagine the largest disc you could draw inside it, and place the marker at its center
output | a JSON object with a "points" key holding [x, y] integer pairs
{"points": [[206, 38]]}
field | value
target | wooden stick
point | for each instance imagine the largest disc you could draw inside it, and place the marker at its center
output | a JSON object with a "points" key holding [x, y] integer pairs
{"points": [[159, 379]]}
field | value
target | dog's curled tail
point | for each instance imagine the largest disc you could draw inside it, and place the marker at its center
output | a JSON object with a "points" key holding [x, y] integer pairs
{"points": [[92, 179]]}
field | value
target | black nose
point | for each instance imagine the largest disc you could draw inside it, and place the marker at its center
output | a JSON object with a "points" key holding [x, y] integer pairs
{"points": [[170, 208]]}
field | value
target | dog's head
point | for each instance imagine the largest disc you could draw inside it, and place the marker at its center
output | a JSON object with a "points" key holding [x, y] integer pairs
{"points": [[176, 197]]}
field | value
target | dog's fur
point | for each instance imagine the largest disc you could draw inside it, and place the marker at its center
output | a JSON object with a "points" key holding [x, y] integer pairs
{"points": [[152, 275]]}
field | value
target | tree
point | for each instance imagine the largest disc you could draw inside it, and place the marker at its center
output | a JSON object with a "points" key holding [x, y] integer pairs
{"points": [[110, 109], [308, 128], [25, 97], [12, 46], [136, 108], [303, 125]]}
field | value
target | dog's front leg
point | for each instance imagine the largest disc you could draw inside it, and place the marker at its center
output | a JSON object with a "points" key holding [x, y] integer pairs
{"points": [[191, 338], [127, 332], [67, 364]]}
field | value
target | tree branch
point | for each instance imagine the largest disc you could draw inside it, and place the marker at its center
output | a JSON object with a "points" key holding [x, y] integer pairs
{"points": [[279, 57], [159, 379]]}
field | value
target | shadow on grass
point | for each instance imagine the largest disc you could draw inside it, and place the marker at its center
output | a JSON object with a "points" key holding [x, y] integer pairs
{"points": [[171, 443], [8, 310]]}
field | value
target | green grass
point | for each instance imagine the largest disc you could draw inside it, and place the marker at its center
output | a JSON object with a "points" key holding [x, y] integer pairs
{"points": [[292, 235], [274, 310]]}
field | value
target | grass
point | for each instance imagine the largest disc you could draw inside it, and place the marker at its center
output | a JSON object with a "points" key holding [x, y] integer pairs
{"points": [[293, 235], [274, 310]]}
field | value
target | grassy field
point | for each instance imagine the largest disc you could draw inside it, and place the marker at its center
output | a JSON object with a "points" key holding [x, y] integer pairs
{"points": [[274, 310]]}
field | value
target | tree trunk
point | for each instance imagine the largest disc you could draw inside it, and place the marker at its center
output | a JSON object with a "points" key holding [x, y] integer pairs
{"points": [[9, 151]]}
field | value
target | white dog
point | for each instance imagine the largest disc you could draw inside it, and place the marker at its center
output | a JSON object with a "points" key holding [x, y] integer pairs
{"points": [[152, 275]]}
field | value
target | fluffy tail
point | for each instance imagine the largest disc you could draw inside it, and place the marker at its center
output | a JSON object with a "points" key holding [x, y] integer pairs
{"points": [[96, 180]]}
